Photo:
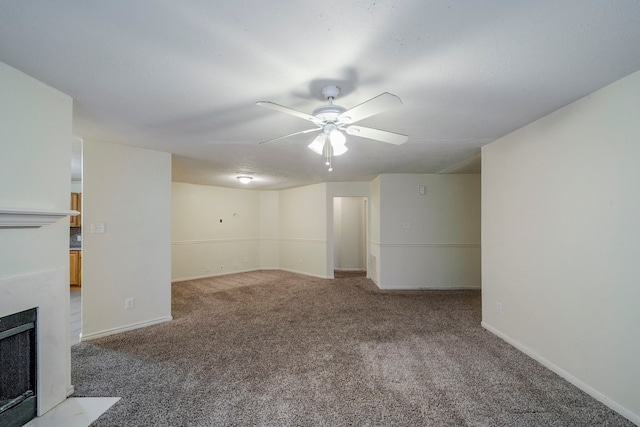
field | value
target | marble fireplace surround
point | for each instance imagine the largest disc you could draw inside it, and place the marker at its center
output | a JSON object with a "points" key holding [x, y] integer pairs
{"points": [[46, 291]]}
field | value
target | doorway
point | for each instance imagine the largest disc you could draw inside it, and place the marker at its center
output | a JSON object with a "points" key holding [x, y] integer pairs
{"points": [[350, 234], [75, 244]]}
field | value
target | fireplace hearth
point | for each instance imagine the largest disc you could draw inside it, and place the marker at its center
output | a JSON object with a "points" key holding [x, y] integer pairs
{"points": [[18, 364]]}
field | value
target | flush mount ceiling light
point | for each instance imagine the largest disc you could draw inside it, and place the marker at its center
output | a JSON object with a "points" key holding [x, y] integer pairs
{"points": [[333, 119], [244, 178]]}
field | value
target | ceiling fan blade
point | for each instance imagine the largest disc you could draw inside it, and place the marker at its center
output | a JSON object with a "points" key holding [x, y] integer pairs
{"points": [[380, 135], [383, 102], [288, 110], [291, 134]]}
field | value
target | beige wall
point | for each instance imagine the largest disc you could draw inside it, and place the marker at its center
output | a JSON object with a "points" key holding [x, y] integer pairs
{"points": [[269, 230], [215, 230], [129, 191], [303, 230], [374, 230], [35, 159], [288, 229], [560, 209], [295, 230], [430, 240]]}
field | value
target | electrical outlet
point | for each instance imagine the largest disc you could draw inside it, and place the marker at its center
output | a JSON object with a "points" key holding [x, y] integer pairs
{"points": [[499, 307], [128, 303]]}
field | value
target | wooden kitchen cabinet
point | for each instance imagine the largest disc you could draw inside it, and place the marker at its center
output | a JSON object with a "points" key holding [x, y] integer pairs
{"points": [[75, 268], [76, 205]]}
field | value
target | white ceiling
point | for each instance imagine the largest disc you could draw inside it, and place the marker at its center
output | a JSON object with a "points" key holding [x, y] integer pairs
{"points": [[183, 77]]}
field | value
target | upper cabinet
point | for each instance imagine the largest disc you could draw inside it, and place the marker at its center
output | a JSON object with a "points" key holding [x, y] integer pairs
{"points": [[76, 205]]}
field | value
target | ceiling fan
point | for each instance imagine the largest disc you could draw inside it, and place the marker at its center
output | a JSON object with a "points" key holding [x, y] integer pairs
{"points": [[334, 119]]}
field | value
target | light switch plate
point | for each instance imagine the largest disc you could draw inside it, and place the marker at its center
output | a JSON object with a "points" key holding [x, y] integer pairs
{"points": [[97, 228]]}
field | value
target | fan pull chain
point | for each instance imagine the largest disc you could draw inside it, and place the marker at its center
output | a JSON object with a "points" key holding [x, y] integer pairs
{"points": [[328, 155]]}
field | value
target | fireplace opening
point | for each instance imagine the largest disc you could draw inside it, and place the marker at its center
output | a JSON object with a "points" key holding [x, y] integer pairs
{"points": [[18, 363]]}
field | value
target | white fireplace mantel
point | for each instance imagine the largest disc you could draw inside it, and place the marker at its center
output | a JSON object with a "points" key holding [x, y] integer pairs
{"points": [[31, 218]]}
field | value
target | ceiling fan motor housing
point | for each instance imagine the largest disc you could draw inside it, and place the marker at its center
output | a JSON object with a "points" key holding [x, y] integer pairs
{"points": [[328, 113]]}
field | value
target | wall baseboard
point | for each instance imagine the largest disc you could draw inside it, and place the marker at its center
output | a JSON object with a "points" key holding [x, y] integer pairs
{"points": [[248, 271], [121, 329], [634, 418], [431, 288], [184, 279], [213, 241], [427, 245], [304, 273], [245, 239]]}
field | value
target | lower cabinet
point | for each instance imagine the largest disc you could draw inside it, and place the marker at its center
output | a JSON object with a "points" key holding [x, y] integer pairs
{"points": [[75, 268]]}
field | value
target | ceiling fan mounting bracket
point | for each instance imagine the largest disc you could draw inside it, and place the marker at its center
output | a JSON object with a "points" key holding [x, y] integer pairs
{"points": [[330, 92], [329, 113]]}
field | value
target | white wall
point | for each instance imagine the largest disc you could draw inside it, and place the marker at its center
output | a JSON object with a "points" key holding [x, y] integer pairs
{"points": [[203, 245], [431, 240], [35, 159], [303, 230], [560, 209], [129, 191]]}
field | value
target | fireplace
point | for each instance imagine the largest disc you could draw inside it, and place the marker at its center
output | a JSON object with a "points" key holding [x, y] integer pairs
{"points": [[18, 363]]}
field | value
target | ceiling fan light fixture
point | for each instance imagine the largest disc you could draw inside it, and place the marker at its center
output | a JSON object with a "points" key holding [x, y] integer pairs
{"points": [[338, 142], [339, 149], [336, 137], [245, 179], [317, 145]]}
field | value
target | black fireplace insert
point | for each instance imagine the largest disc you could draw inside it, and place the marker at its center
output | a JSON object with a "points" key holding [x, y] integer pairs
{"points": [[18, 364]]}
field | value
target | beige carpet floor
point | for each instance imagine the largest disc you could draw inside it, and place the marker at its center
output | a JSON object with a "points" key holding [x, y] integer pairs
{"points": [[272, 348]]}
